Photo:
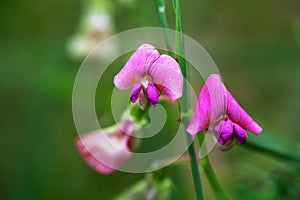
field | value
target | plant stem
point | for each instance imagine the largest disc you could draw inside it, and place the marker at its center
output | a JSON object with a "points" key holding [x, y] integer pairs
{"points": [[269, 151], [195, 168], [211, 176], [161, 10], [185, 107], [180, 51]]}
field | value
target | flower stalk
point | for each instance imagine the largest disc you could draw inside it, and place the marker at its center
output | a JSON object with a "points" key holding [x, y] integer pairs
{"points": [[185, 107], [161, 11], [211, 175]]}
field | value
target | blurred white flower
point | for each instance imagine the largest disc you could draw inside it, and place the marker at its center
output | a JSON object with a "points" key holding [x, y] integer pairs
{"points": [[94, 28], [99, 22]]}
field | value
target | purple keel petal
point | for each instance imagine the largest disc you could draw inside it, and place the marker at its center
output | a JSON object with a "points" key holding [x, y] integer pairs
{"points": [[239, 116], [134, 93], [166, 72], [211, 105], [152, 93], [104, 151], [227, 132], [240, 140], [241, 135], [136, 67]]}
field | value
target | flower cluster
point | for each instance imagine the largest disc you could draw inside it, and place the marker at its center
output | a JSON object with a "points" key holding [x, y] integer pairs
{"points": [[107, 150], [150, 74]]}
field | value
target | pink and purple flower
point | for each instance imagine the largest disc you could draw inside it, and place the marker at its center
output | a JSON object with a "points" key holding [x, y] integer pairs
{"points": [[149, 74], [218, 110], [107, 150]]}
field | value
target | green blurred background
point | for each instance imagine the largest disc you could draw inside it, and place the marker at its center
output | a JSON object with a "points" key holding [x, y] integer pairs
{"points": [[254, 44]]}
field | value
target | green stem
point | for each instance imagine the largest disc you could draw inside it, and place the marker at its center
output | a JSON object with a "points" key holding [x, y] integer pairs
{"points": [[194, 167], [161, 10], [269, 151], [160, 4], [185, 107], [211, 175], [180, 50]]}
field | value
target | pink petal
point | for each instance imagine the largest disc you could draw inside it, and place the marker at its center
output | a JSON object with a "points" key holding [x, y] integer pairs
{"points": [[136, 67], [104, 151], [126, 127], [211, 105], [90, 158], [165, 71], [239, 116]]}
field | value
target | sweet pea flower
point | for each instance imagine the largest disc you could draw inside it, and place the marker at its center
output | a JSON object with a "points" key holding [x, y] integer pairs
{"points": [[149, 74], [107, 150], [217, 110]]}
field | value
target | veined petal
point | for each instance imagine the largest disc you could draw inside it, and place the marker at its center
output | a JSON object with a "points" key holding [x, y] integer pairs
{"points": [[89, 157], [166, 72], [104, 151], [201, 119], [217, 94], [239, 116], [136, 67], [211, 105]]}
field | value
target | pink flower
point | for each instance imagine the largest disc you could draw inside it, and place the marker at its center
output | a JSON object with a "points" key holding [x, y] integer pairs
{"points": [[149, 74], [107, 150], [218, 110]]}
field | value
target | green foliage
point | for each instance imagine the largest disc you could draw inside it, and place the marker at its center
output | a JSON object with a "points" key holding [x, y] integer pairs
{"points": [[149, 188]]}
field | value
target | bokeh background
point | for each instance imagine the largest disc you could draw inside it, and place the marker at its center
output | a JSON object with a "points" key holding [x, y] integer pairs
{"points": [[255, 44]]}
